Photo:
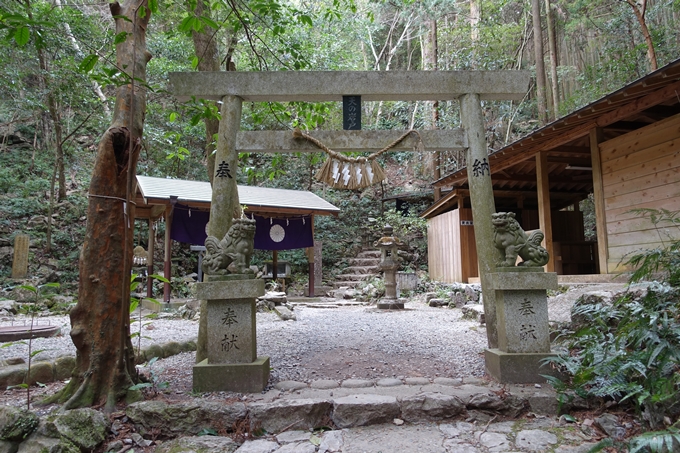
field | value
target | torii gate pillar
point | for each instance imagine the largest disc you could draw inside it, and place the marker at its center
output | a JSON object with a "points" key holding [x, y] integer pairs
{"points": [[483, 205]]}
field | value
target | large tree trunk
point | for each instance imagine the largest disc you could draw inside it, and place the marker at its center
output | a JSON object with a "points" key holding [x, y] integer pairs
{"points": [[205, 46], [100, 322], [540, 66]]}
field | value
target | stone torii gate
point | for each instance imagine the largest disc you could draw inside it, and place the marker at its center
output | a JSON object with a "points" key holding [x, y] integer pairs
{"points": [[469, 87]]}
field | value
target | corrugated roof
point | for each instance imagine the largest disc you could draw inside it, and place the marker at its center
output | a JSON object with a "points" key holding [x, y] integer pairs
{"points": [[201, 192]]}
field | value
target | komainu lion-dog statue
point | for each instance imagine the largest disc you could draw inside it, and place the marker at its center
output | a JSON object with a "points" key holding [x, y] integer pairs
{"points": [[233, 253], [511, 241]]}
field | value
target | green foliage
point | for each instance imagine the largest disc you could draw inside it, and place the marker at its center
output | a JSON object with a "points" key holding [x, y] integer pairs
{"points": [[629, 351], [662, 261]]}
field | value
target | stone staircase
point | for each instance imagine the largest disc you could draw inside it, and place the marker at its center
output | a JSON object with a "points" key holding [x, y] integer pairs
{"points": [[364, 266]]}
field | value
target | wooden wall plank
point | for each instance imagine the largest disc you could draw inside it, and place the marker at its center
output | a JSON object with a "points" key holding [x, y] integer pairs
{"points": [[443, 240], [624, 213], [637, 223], [615, 168], [644, 195], [653, 177], [642, 138], [651, 237], [641, 170]]}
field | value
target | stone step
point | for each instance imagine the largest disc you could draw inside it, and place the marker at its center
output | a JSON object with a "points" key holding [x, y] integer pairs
{"points": [[364, 262], [354, 277], [369, 254], [361, 270], [355, 403], [348, 284]]}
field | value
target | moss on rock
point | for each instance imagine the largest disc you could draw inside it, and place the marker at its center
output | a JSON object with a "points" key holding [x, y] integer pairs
{"points": [[16, 424]]}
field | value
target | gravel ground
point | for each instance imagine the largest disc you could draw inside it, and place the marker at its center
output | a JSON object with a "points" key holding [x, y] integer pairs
{"points": [[328, 343]]}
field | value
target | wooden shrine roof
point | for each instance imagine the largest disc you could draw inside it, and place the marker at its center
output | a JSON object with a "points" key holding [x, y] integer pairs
{"points": [[567, 142], [153, 194]]}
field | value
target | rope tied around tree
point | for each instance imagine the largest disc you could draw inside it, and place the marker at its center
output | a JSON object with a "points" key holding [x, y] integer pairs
{"points": [[343, 172]]}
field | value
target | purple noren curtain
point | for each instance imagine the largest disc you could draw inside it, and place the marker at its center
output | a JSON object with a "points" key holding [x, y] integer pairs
{"points": [[188, 225]]}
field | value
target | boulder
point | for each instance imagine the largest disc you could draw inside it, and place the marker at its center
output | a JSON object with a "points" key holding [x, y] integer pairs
{"points": [[458, 300], [20, 294], [199, 444], [174, 419], [171, 348], [296, 414], [474, 312], [365, 409], [9, 306], [436, 302], [152, 351], [429, 297], [285, 314], [44, 444], [86, 428], [12, 375], [428, 406], [63, 367], [41, 372], [472, 292], [279, 298], [16, 424]]}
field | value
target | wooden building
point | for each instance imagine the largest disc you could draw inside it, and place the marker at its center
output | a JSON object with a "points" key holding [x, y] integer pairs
{"points": [[624, 149], [161, 197]]}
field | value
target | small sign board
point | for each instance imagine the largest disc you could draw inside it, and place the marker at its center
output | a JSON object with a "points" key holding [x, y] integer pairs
{"points": [[351, 113], [466, 223]]}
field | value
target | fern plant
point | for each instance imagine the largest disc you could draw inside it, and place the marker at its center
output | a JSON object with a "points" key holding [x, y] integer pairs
{"points": [[629, 351]]}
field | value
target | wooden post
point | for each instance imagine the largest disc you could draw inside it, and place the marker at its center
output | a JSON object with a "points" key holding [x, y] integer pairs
{"points": [[275, 265], [596, 137], [20, 258], [544, 216], [167, 268], [149, 259], [482, 200], [310, 259]]}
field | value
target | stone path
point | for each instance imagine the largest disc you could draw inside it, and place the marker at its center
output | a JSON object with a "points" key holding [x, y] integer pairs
{"points": [[543, 434], [385, 416]]}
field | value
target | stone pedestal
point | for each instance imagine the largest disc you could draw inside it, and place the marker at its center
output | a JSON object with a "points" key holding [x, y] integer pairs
{"points": [[522, 321], [232, 363]]}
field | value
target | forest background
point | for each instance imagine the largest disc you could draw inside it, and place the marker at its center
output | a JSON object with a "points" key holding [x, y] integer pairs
{"points": [[58, 82]]}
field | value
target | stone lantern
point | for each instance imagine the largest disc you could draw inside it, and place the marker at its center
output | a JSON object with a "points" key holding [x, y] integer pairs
{"points": [[389, 263]]}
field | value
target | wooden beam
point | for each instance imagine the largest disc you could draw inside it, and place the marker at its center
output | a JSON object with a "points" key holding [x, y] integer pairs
{"points": [[598, 195], [322, 86], [342, 141], [544, 217], [578, 130], [633, 107]]}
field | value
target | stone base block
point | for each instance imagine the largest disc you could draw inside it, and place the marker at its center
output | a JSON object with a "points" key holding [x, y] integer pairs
{"points": [[391, 304], [232, 377], [517, 368]]}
